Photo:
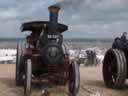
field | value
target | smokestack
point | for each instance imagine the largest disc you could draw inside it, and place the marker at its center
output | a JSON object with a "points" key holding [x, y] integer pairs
{"points": [[53, 18]]}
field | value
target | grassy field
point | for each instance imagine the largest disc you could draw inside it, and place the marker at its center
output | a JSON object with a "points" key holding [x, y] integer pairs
{"points": [[91, 84]]}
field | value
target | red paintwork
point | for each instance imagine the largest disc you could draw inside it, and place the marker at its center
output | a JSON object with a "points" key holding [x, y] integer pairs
{"points": [[55, 72]]}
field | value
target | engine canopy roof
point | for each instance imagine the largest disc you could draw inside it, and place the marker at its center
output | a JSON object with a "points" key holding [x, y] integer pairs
{"points": [[37, 26]]}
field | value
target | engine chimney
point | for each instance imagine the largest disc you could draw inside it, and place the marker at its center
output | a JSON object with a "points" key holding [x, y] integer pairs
{"points": [[53, 19]]}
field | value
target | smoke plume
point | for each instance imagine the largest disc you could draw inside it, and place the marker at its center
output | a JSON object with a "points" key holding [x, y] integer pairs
{"points": [[69, 4]]}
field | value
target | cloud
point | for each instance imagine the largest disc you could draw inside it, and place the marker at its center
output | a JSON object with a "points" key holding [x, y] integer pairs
{"points": [[99, 18], [8, 14], [86, 18], [15, 12]]}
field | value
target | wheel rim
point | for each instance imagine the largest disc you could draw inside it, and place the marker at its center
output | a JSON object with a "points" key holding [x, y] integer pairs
{"points": [[18, 55], [74, 79], [28, 74], [17, 63], [71, 82]]}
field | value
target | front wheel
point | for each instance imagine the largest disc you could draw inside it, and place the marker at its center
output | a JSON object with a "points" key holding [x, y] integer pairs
{"points": [[28, 78], [74, 79]]}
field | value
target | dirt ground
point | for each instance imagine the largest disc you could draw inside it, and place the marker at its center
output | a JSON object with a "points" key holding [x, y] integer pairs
{"points": [[91, 84]]}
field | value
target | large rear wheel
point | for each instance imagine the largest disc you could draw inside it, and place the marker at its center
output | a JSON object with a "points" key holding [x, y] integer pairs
{"points": [[114, 69], [74, 79]]}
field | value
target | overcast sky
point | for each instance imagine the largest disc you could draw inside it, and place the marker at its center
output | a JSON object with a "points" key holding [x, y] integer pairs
{"points": [[86, 18]]}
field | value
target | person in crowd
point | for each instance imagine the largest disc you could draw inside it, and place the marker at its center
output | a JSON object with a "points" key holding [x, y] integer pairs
{"points": [[124, 40], [124, 37], [117, 43]]}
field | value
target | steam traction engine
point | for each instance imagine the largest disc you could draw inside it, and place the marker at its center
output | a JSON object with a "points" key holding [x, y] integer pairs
{"points": [[115, 64], [45, 56]]}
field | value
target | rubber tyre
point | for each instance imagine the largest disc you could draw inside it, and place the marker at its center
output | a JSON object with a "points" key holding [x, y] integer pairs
{"points": [[18, 76], [114, 69], [74, 79], [28, 78]]}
